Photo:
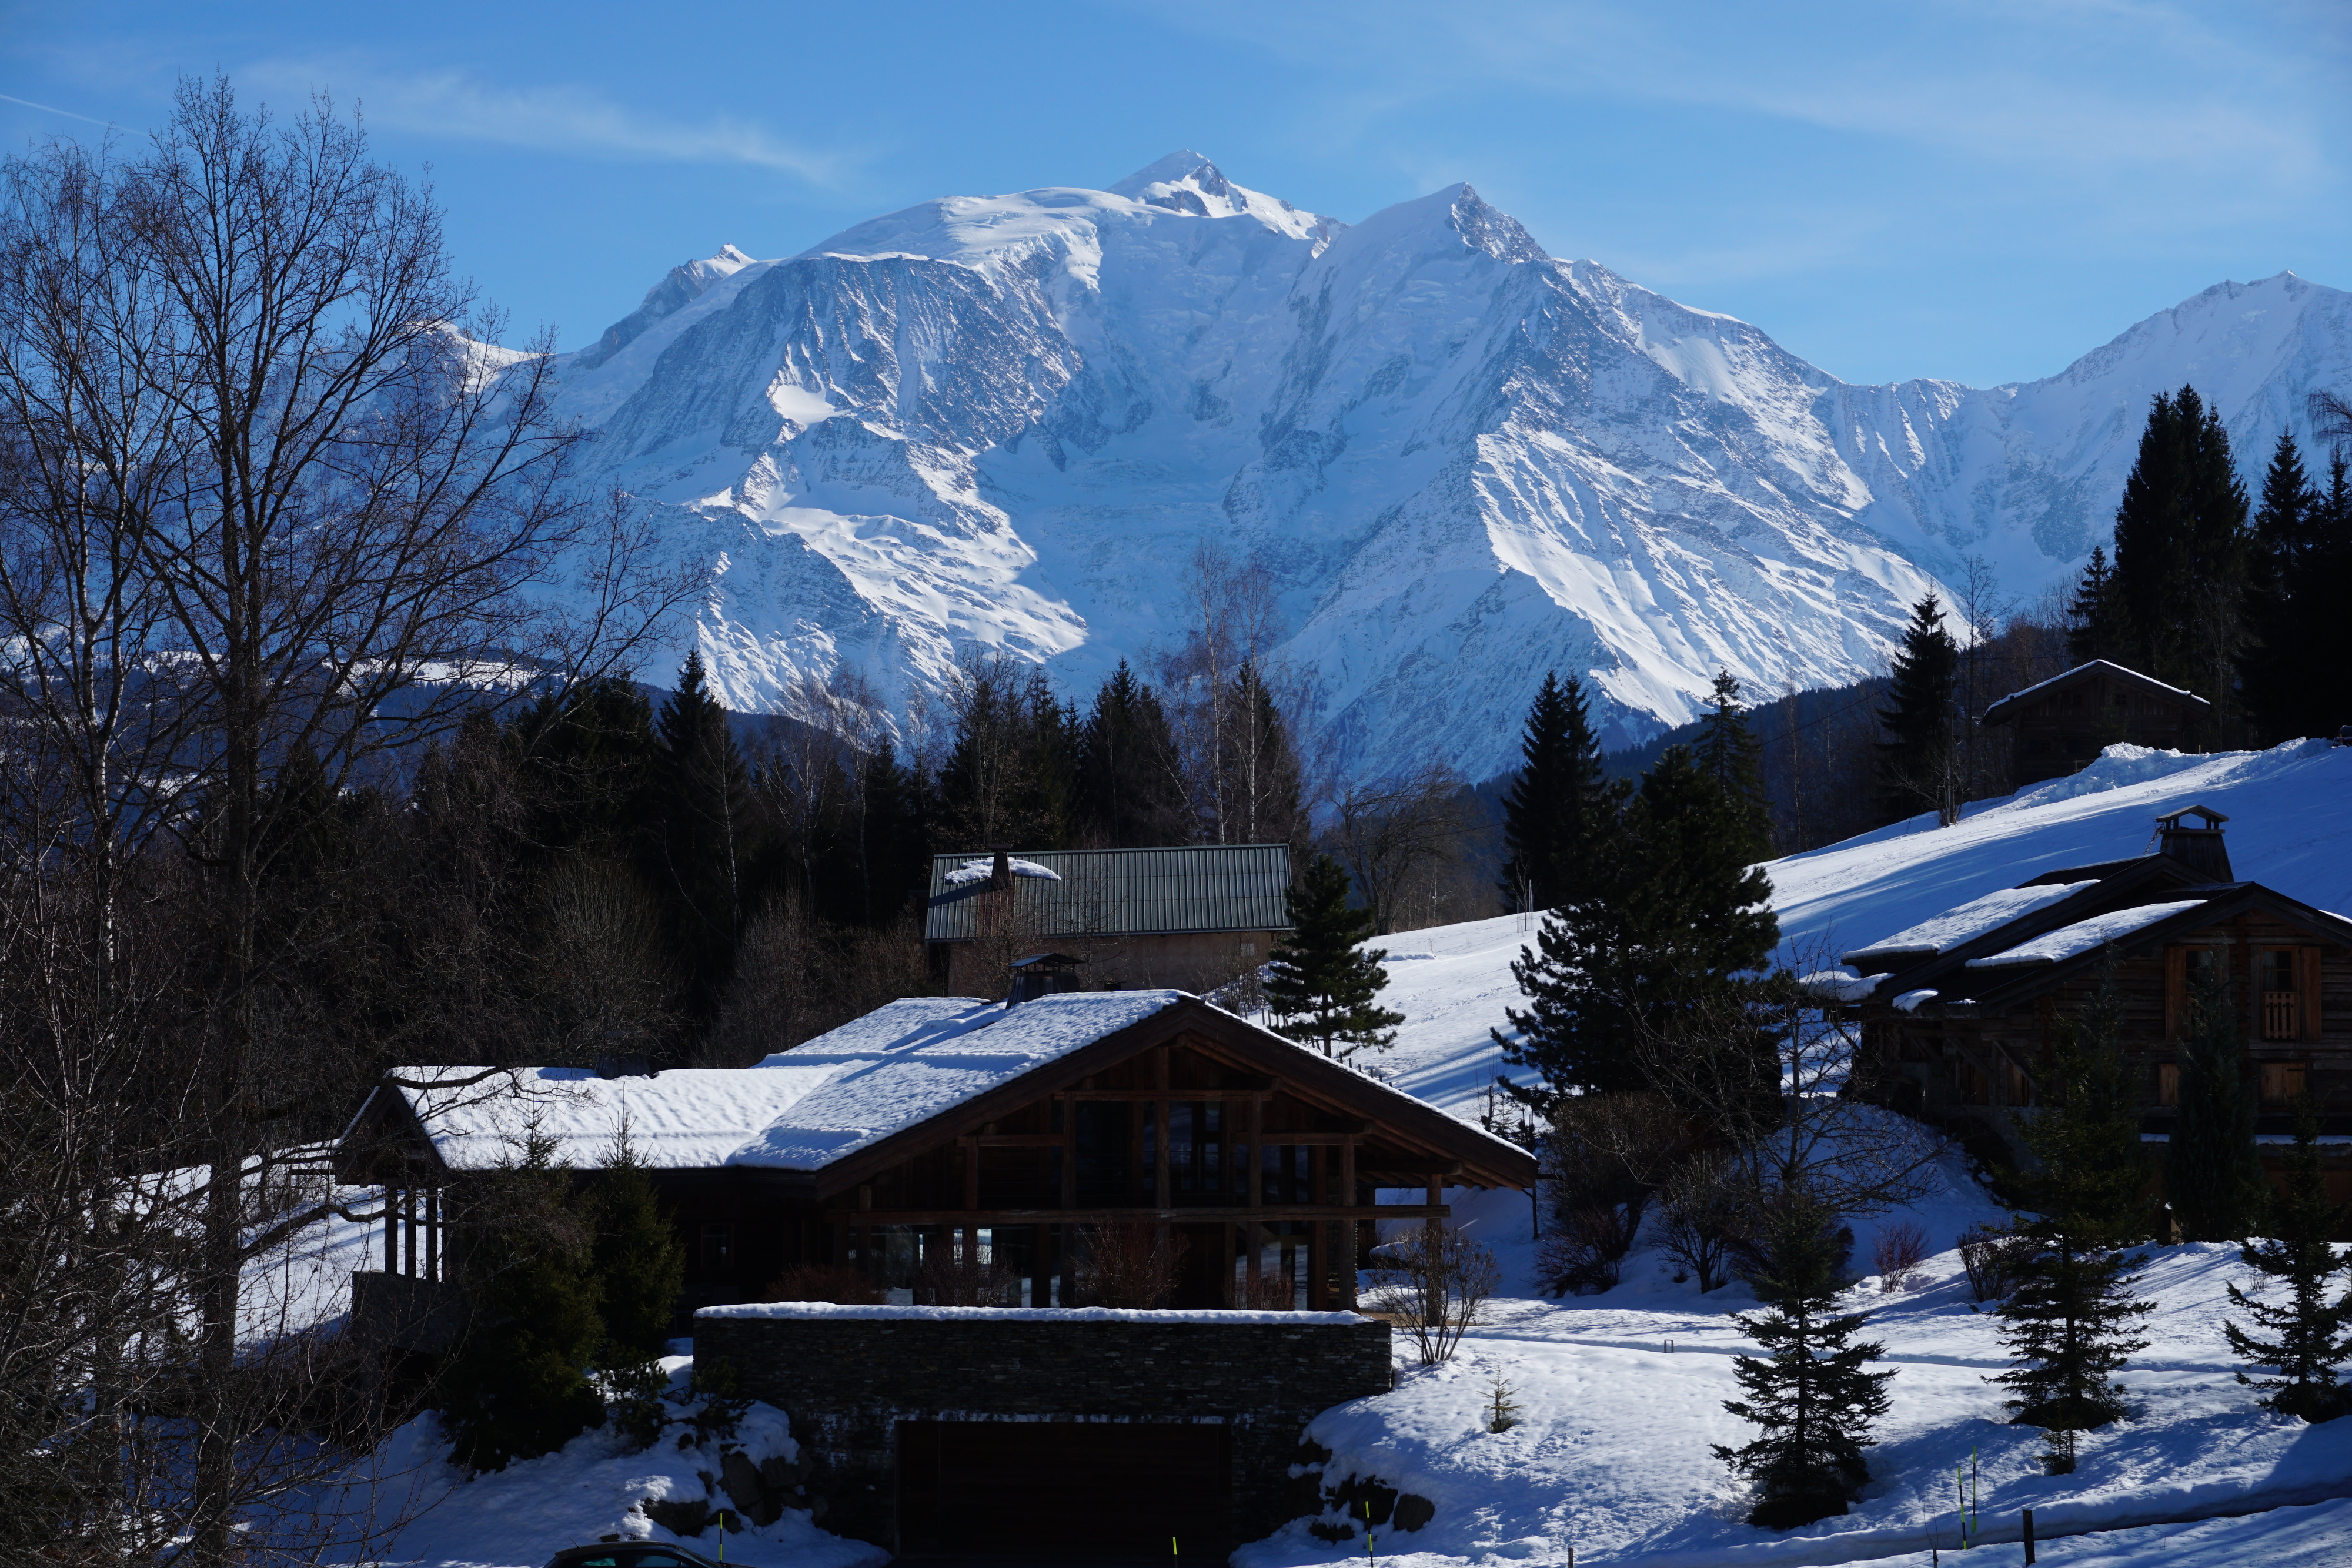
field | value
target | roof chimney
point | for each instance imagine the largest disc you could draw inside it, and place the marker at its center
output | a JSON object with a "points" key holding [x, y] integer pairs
{"points": [[2198, 847], [1000, 874]]}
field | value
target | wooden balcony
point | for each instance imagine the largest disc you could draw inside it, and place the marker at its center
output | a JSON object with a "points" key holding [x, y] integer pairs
{"points": [[2281, 1015]]}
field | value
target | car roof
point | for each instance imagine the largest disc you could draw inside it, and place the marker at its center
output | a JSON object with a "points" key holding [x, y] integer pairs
{"points": [[624, 1553]]}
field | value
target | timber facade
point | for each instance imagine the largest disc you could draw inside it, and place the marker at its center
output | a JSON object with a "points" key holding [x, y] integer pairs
{"points": [[1970, 1028], [1260, 1159], [2061, 725]]}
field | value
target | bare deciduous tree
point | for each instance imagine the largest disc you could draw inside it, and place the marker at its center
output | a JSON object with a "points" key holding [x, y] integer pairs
{"points": [[1394, 834], [1778, 1071], [1433, 1285], [272, 509]]}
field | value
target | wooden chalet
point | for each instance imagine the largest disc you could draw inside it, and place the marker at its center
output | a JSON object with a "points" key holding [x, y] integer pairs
{"points": [[1017, 1126], [1190, 917], [1964, 1009], [2062, 724]]}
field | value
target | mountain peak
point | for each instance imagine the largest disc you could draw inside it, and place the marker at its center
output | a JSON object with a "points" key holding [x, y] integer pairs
{"points": [[1176, 169], [1185, 182]]}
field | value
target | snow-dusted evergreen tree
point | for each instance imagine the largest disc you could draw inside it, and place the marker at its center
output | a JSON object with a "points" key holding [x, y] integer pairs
{"points": [[1556, 814], [2069, 1324], [2212, 1175], [1320, 988], [1915, 763], [2310, 1335], [1810, 1396]]}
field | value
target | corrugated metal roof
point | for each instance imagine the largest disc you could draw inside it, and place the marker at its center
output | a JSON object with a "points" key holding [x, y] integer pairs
{"points": [[1126, 893]]}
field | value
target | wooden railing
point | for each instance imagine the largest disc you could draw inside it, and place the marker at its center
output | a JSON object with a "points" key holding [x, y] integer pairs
{"points": [[2281, 1015]]}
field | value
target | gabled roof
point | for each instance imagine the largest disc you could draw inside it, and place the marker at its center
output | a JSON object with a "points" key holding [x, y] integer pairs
{"points": [[2001, 712], [1120, 892], [2014, 964], [906, 1074]]}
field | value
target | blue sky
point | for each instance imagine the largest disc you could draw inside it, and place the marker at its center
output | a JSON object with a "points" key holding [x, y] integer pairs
{"points": [[1980, 191]]}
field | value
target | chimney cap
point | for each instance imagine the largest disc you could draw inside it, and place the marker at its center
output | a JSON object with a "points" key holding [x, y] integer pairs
{"points": [[2172, 823]]}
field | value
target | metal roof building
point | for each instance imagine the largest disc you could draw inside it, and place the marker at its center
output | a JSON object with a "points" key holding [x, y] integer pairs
{"points": [[1195, 889]]}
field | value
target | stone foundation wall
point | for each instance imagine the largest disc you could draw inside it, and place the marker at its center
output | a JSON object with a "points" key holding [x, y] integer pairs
{"points": [[847, 1380]]}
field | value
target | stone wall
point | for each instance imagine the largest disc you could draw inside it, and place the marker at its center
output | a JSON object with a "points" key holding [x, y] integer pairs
{"points": [[848, 1376]]}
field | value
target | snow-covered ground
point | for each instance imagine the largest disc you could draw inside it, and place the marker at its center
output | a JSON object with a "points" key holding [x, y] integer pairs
{"points": [[1611, 1457], [588, 1491]]}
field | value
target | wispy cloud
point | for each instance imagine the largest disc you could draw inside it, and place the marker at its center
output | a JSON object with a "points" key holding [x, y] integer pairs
{"points": [[463, 105], [2091, 86]]}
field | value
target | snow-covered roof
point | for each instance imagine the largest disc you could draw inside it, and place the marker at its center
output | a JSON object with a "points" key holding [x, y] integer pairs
{"points": [[1972, 920], [797, 1110], [2084, 935], [981, 869], [1841, 985], [1029, 1314]]}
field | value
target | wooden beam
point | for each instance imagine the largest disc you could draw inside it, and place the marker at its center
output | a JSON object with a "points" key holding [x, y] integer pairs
{"points": [[1266, 1088], [1179, 1215]]}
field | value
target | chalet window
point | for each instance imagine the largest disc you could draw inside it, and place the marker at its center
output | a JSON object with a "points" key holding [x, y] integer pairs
{"points": [[2016, 1088], [2168, 1083], [2184, 967], [2287, 984], [716, 1255], [2281, 1082], [1975, 1088]]}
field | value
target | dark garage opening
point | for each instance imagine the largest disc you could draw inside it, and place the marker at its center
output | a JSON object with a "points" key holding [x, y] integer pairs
{"points": [[1073, 1490]]}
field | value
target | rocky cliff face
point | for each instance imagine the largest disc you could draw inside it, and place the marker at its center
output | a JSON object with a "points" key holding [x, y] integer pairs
{"points": [[1013, 421]]}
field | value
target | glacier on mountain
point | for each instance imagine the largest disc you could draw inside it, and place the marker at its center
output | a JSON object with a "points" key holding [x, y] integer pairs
{"points": [[1011, 422]]}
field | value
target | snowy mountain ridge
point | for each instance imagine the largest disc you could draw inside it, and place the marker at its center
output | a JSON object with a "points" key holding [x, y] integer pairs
{"points": [[1011, 422]]}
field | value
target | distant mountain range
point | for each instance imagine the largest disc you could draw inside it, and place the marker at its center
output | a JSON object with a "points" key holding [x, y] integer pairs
{"points": [[1012, 421]]}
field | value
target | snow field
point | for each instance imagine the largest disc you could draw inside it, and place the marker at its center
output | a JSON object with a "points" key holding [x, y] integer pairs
{"points": [[1612, 1453]]}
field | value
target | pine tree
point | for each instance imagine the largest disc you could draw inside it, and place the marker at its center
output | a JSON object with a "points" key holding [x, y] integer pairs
{"points": [[1810, 1396], [2310, 1337], [2068, 1324], [2287, 618], [2094, 628], [1319, 984], [1557, 812], [640, 1267], [2181, 549], [2212, 1175], [1729, 753], [707, 831], [1129, 792], [1915, 763], [518, 1386], [1678, 912]]}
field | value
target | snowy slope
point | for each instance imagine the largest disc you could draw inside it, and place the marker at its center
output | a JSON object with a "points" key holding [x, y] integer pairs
{"points": [[2286, 830], [1011, 421], [1614, 1453]]}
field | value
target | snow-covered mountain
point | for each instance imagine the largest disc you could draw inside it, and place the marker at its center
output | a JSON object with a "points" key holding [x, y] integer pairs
{"points": [[1013, 421]]}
